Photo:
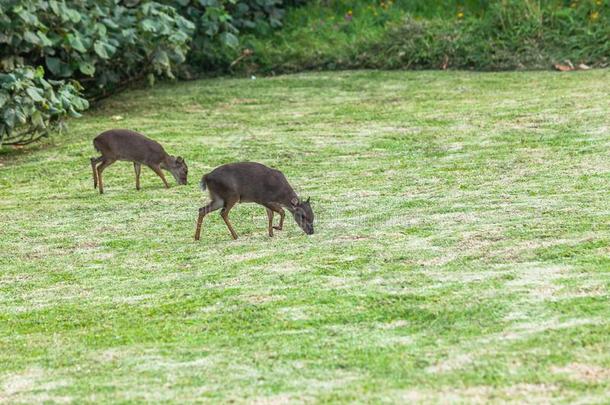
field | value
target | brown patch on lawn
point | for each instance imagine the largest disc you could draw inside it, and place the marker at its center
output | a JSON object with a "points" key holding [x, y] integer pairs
{"points": [[399, 323], [525, 330], [279, 399], [453, 363], [238, 101], [589, 373], [538, 281], [256, 299], [518, 393], [29, 387], [240, 257]]}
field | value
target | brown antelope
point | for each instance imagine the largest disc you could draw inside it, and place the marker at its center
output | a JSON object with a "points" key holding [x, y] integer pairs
{"points": [[253, 182], [123, 144]]}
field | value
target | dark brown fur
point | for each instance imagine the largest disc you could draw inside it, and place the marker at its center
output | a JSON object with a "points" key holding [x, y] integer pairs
{"points": [[131, 146], [253, 182]]}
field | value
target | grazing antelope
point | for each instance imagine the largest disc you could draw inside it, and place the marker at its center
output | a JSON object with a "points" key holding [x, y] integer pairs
{"points": [[123, 144], [253, 182]]}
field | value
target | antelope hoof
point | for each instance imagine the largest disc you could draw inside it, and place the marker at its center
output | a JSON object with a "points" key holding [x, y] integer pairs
{"points": [[279, 228]]}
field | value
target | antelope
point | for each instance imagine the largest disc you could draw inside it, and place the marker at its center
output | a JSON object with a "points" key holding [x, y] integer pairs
{"points": [[123, 144], [253, 182]]}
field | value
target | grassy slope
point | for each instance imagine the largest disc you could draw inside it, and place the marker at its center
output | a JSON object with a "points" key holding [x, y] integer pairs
{"points": [[463, 225], [419, 34]]}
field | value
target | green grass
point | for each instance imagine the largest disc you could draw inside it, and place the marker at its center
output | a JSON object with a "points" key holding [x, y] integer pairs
{"points": [[445, 34], [461, 247]]}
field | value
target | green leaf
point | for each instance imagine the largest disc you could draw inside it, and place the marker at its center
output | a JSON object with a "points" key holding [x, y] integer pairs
{"points": [[28, 17], [40, 72], [73, 112], [44, 40], [3, 98], [20, 116], [53, 64], [58, 68], [161, 58], [149, 25], [100, 49], [73, 15], [229, 39], [9, 117], [37, 119], [31, 37], [86, 68], [54, 7], [76, 43], [109, 23], [28, 74], [101, 29], [34, 93], [66, 70]]}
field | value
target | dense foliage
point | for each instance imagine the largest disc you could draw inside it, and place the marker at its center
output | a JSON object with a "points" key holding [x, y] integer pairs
{"points": [[219, 23], [102, 44], [105, 45], [30, 106]]}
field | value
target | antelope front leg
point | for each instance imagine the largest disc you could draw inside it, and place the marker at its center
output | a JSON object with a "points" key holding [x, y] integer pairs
{"points": [[136, 167], [225, 216], [159, 172], [270, 217], [277, 208], [282, 214]]}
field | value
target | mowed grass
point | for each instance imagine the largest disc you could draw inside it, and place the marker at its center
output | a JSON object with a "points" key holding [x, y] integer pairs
{"points": [[461, 250]]}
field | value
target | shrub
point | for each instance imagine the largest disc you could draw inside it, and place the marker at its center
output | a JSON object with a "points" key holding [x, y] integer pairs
{"points": [[101, 43], [219, 24], [30, 106]]}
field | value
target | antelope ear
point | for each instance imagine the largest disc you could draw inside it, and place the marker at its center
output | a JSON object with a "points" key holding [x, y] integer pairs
{"points": [[179, 159], [294, 202]]}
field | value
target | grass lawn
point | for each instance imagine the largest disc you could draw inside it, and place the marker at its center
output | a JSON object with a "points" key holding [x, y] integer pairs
{"points": [[461, 249]]}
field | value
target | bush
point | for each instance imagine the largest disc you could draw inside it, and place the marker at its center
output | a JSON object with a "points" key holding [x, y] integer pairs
{"points": [[30, 106], [219, 24], [101, 43]]}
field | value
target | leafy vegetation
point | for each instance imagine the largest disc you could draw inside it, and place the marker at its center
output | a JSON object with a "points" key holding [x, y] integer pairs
{"points": [[461, 247], [100, 43], [479, 35], [106, 45], [31, 107], [219, 24]]}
